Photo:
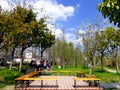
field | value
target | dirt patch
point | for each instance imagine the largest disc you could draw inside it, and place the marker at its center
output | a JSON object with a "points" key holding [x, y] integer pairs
{"points": [[8, 87]]}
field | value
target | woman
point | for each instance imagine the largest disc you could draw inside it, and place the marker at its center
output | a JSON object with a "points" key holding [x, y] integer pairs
{"points": [[31, 66]]}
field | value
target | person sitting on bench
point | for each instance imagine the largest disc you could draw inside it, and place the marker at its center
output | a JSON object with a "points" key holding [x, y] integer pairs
{"points": [[31, 67]]}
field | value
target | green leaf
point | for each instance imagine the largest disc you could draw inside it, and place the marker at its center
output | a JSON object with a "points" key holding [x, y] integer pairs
{"points": [[108, 4], [117, 7]]}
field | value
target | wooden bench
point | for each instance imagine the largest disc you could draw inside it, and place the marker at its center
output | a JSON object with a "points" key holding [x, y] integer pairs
{"points": [[70, 72], [89, 76], [47, 72], [95, 80], [42, 79], [21, 79], [80, 74], [89, 81], [57, 72]]}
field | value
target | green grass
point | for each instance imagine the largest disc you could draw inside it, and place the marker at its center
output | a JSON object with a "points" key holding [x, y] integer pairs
{"points": [[7, 77], [106, 76], [84, 69], [97, 72], [73, 70], [2, 85], [112, 68]]}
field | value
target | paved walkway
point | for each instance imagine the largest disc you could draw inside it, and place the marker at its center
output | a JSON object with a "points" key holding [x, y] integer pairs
{"points": [[110, 70], [64, 83], [112, 85]]}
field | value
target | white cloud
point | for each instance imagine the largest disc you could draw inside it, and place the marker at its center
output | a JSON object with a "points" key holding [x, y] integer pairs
{"points": [[58, 33], [55, 31], [79, 40], [70, 37], [53, 9], [4, 4], [80, 31]]}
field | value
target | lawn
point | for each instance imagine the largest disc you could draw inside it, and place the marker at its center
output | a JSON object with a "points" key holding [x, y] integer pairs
{"points": [[97, 72], [7, 77]]}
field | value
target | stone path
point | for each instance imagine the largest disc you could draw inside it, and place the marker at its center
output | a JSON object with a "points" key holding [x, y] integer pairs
{"points": [[113, 85], [110, 70]]}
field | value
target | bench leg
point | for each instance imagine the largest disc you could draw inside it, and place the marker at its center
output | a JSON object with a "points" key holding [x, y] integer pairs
{"points": [[74, 83], [96, 82], [22, 82], [41, 83], [90, 83], [56, 83], [15, 84], [27, 83]]}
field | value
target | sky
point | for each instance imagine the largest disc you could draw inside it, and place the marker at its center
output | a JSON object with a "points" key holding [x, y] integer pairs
{"points": [[67, 15]]}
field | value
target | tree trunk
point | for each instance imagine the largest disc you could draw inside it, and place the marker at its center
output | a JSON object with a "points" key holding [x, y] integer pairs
{"points": [[41, 55], [76, 62], [5, 57], [101, 58], [117, 66], [63, 65], [90, 67], [53, 61], [12, 59], [21, 61], [116, 61]]}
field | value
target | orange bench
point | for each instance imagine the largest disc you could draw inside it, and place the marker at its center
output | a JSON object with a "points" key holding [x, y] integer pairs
{"points": [[89, 76], [42, 79], [21, 79], [80, 74], [96, 81]]}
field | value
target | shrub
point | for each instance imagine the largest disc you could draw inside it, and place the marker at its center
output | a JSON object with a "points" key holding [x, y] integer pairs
{"points": [[2, 85], [7, 76]]}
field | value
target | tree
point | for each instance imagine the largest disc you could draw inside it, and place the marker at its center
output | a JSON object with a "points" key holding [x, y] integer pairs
{"points": [[19, 28], [114, 46], [90, 45], [64, 53], [110, 44], [90, 42], [111, 9], [23, 32], [103, 42], [8, 26], [42, 36]]}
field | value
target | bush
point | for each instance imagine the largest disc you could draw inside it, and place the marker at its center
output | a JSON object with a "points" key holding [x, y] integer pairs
{"points": [[24, 68], [2, 85], [7, 76]]}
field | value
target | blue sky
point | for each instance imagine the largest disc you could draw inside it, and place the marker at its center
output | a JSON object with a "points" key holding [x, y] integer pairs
{"points": [[66, 15], [84, 10]]}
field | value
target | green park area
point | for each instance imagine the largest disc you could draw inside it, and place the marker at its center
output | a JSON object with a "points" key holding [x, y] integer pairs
{"points": [[29, 43], [7, 77]]}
